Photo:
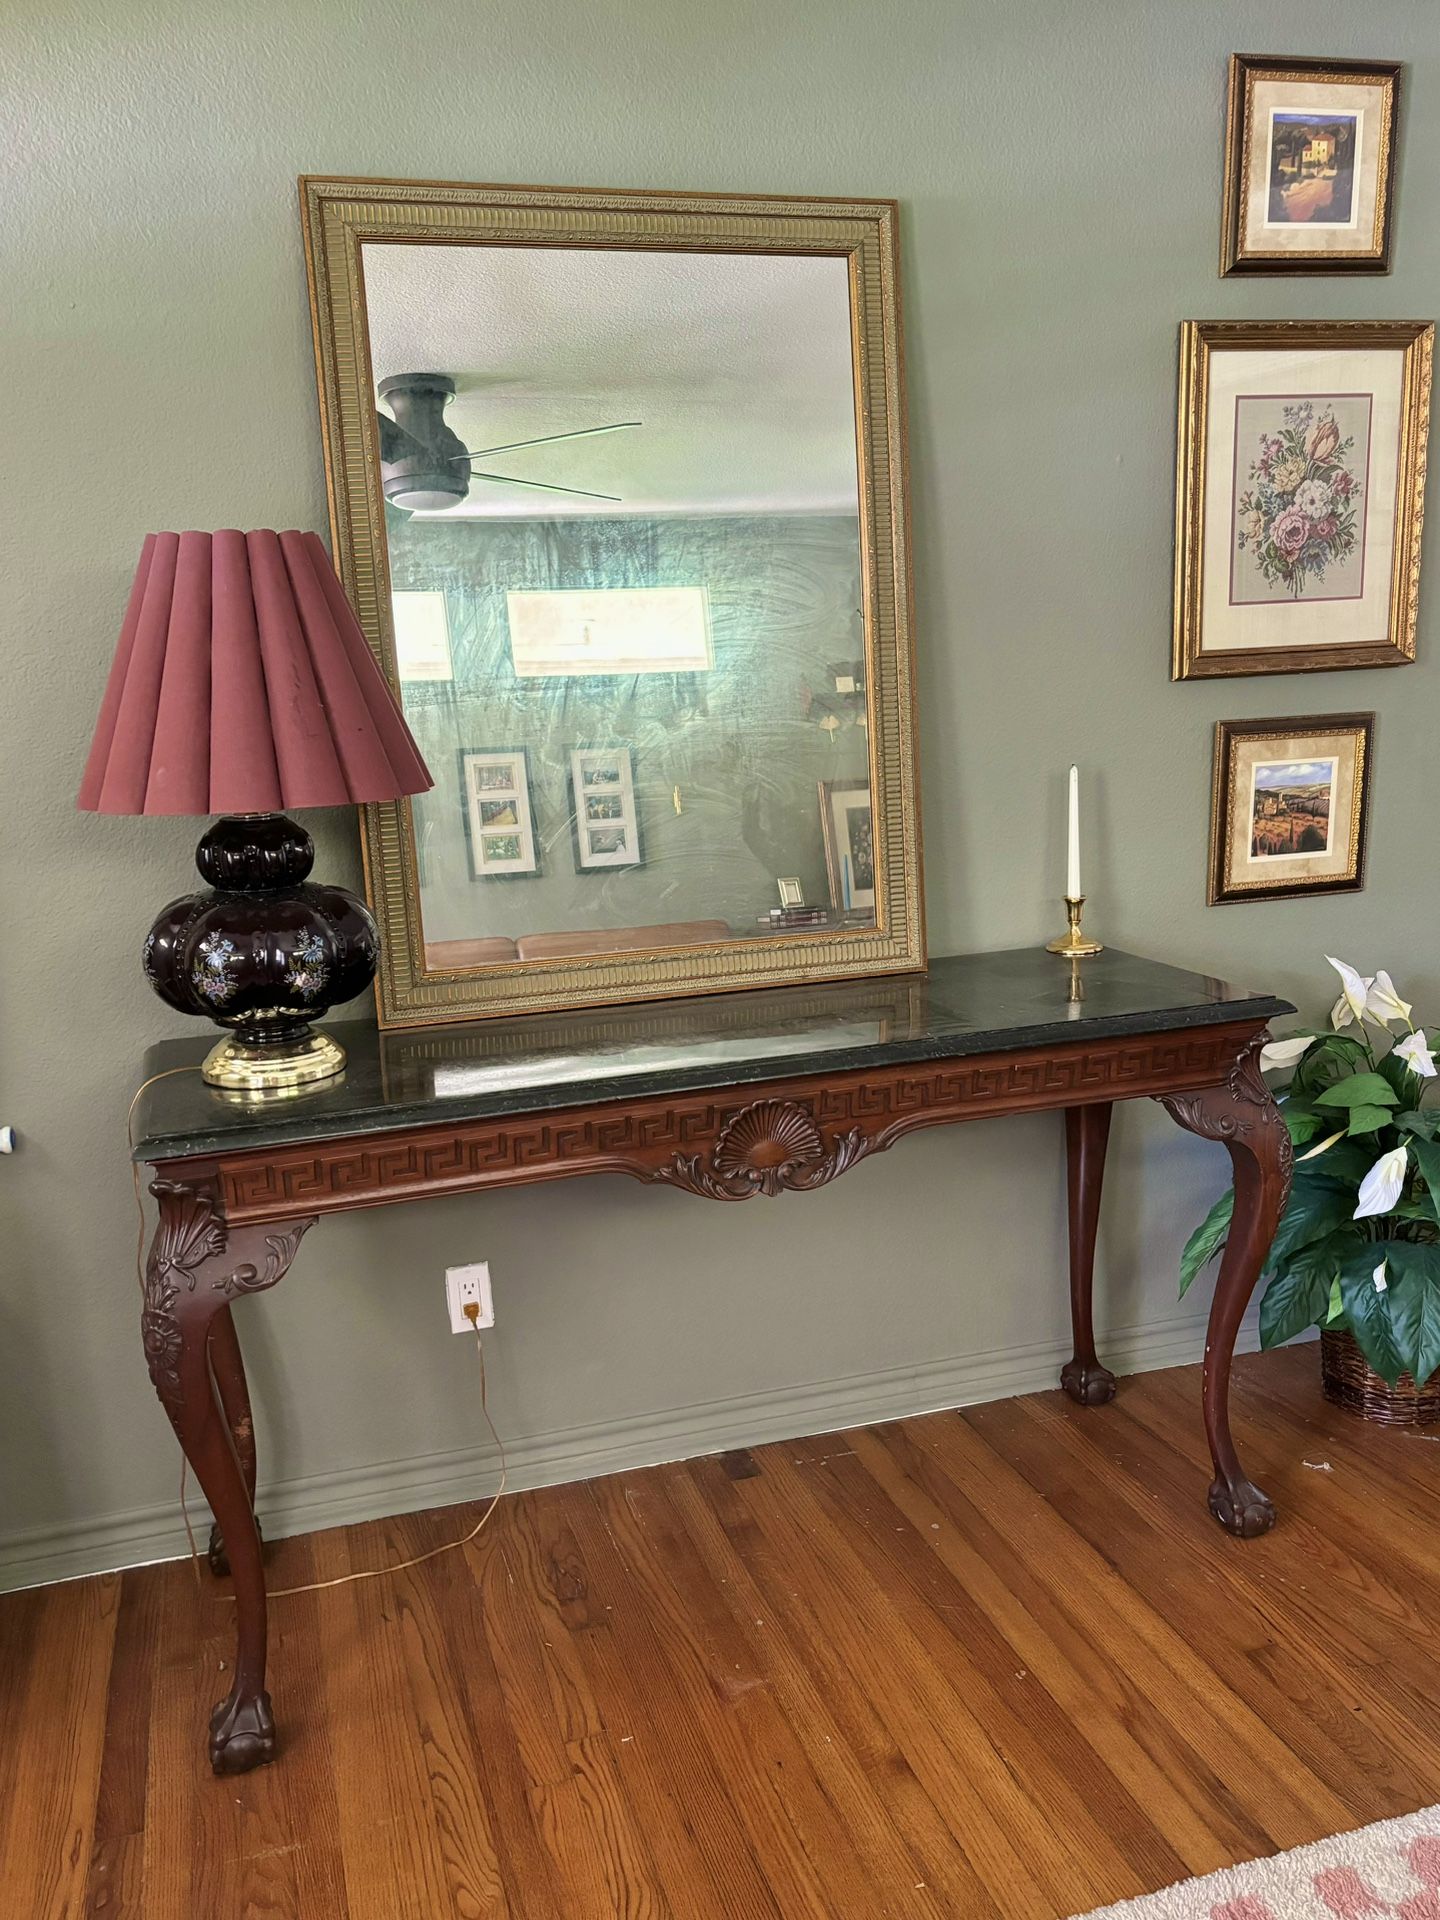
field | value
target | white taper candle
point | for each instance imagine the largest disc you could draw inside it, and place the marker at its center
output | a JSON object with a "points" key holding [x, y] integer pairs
{"points": [[1072, 870]]}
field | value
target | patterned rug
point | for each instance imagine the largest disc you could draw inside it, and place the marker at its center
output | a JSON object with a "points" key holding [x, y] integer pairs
{"points": [[1389, 1870]]}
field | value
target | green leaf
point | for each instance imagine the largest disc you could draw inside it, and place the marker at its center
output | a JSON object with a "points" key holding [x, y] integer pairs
{"points": [[1368, 1119], [1425, 1124], [1368, 1312], [1300, 1297], [1359, 1090], [1336, 1053], [1344, 1164], [1427, 1158], [1414, 1294], [1206, 1241], [1303, 1122], [1336, 1309], [1315, 1209]]}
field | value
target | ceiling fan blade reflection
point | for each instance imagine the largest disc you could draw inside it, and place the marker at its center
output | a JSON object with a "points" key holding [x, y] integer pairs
{"points": [[579, 433], [509, 480]]}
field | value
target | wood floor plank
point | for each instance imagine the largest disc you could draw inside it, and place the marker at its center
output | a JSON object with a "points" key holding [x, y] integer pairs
{"points": [[807, 1742], [1228, 1733], [592, 1835], [1001, 1825], [1087, 1667], [701, 1849], [49, 1818], [1195, 1574], [115, 1886], [818, 1690], [992, 1663], [1096, 1835]]}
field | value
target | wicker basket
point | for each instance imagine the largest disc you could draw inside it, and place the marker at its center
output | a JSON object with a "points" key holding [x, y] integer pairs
{"points": [[1351, 1382]]}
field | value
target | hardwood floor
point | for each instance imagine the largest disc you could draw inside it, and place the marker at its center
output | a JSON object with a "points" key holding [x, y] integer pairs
{"points": [[998, 1662]]}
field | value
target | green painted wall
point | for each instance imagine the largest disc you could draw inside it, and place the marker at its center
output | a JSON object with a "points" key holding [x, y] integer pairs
{"points": [[1059, 172]]}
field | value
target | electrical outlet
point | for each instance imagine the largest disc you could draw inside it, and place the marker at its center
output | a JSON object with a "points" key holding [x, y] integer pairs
{"points": [[467, 1285]]}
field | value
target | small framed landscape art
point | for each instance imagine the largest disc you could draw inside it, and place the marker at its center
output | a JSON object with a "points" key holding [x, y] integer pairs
{"points": [[602, 795], [848, 829], [1289, 806], [501, 827], [1300, 494], [1309, 165]]}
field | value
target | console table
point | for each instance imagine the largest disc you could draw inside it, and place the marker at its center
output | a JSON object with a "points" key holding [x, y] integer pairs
{"points": [[726, 1097]]}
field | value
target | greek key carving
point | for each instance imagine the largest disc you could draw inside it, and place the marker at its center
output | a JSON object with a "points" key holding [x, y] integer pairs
{"points": [[674, 1139]]}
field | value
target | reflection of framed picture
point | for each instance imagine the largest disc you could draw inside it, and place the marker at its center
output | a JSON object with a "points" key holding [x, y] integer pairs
{"points": [[500, 826], [1289, 807], [603, 818], [1309, 165], [1300, 493], [847, 826]]}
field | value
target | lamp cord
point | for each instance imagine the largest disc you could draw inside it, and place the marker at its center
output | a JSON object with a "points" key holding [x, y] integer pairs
{"points": [[472, 1314]]}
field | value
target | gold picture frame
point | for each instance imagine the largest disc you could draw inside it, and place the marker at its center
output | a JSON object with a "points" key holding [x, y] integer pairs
{"points": [[1349, 402], [340, 215], [1290, 806], [1310, 150]]}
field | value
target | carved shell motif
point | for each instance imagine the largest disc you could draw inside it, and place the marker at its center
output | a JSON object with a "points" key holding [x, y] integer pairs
{"points": [[771, 1147], [765, 1142]]}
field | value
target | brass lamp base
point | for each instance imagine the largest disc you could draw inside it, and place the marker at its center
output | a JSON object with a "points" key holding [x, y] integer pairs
{"points": [[275, 1070], [1073, 945]]}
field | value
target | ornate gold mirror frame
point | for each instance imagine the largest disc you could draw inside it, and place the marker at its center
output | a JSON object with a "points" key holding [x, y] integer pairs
{"points": [[340, 216]]}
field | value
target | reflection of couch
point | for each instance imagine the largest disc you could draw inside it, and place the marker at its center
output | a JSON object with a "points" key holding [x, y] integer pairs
{"points": [[564, 946]]}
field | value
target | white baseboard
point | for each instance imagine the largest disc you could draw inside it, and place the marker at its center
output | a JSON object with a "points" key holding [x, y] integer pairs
{"points": [[38, 1555]]}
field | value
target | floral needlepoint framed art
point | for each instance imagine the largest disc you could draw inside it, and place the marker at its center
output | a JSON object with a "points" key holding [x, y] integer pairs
{"points": [[1290, 806], [1309, 165], [1300, 494]]}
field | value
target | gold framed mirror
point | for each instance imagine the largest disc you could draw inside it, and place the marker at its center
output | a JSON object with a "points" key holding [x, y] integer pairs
{"points": [[617, 488]]}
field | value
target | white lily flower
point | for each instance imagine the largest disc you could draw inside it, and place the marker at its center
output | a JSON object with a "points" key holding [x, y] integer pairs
{"points": [[1314, 1153], [1383, 1004], [1354, 987], [1283, 1053], [1381, 1283], [1341, 1016], [1415, 1051], [1383, 1184]]}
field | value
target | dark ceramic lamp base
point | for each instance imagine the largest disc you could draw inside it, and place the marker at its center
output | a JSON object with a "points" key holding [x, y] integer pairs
{"points": [[263, 952]]}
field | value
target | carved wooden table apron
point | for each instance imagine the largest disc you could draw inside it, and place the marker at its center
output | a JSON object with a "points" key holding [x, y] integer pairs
{"points": [[232, 1214]]}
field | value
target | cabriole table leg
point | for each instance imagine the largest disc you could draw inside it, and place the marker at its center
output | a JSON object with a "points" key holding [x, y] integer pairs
{"points": [[1243, 1115], [195, 1268]]}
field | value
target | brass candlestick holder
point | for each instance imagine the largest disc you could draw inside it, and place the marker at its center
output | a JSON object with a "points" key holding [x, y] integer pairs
{"points": [[1073, 945]]}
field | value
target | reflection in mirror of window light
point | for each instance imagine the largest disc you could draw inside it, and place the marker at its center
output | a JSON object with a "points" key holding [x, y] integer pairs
{"points": [[610, 630], [422, 636]]}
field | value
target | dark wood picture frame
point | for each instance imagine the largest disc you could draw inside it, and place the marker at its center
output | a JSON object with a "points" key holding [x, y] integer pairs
{"points": [[1223, 890], [1238, 254]]}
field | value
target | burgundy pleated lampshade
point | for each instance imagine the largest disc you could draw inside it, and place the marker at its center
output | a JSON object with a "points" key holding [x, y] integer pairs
{"points": [[243, 684]]}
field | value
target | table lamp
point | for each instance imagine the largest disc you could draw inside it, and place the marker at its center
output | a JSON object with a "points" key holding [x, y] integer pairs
{"points": [[242, 686]]}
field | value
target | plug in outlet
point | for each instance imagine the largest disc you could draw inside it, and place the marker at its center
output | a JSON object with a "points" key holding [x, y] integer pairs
{"points": [[467, 1285]]}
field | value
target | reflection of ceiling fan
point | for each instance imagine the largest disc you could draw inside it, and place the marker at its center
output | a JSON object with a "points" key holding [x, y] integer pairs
{"points": [[426, 468]]}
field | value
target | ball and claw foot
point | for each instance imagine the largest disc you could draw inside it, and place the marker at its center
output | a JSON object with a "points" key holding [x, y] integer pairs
{"points": [[242, 1734], [1242, 1509], [1087, 1382], [217, 1557]]}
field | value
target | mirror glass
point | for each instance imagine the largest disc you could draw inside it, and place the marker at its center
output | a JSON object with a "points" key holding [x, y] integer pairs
{"points": [[622, 518]]}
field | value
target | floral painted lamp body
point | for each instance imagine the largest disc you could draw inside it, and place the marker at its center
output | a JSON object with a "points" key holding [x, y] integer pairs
{"points": [[242, 685]]}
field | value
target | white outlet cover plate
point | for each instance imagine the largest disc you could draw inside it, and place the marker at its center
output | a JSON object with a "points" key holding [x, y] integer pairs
{"points": [[464, 1285]]}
